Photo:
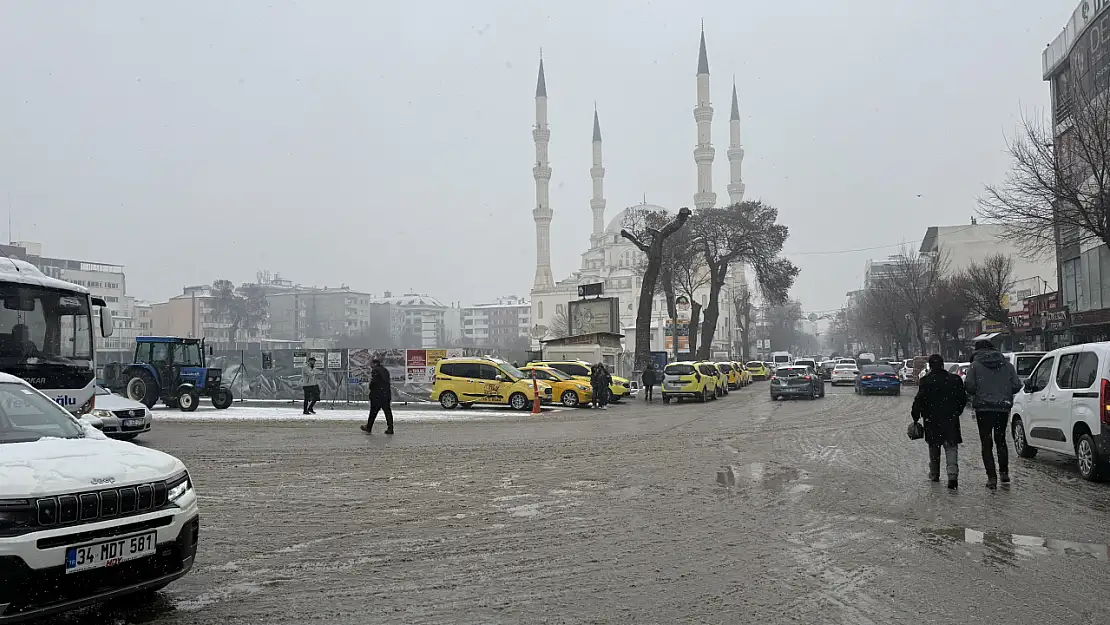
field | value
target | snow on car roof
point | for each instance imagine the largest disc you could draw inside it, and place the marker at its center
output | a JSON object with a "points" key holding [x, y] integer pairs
{"points": [[23, 272]]}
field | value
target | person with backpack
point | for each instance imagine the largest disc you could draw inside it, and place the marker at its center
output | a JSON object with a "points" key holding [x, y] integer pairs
{"points": [[940, 401], [992, 382], [600, 381]]}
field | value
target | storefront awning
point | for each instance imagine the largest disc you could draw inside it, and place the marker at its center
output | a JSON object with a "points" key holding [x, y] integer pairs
{"points": [[988, 336]]}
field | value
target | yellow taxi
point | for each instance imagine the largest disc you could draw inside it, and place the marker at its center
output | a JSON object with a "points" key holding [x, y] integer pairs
{"points": [[580, 370], [483, 380], [758, 370], [732, 377], [689, 380], [742, 373], [570, 392]]}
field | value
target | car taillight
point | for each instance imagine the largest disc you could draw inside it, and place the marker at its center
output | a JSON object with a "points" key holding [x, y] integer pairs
{"points": [[1104, 402], [808, 378], [865, 377], [892, 376]]}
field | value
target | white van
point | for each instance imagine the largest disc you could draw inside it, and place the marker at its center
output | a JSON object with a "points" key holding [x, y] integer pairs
{"points": [[781, 359], [1065, 408]]}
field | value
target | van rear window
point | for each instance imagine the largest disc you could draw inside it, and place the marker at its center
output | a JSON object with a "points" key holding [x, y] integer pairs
{"points": [[679, 370], [1026, 364]]}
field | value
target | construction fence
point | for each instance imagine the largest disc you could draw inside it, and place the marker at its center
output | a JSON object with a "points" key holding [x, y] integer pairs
{"points": [[345, 373]]}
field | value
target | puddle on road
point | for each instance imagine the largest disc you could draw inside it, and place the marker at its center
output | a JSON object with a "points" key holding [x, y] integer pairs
{"points": [[1003, 548], [768, 475]]}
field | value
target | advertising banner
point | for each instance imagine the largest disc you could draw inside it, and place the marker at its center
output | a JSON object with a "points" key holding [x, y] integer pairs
{"points": [[416, 358], [321, 358], [434, 356], [300, 357], [594, 315], [335, 359], [418, 375], [359, 364]]}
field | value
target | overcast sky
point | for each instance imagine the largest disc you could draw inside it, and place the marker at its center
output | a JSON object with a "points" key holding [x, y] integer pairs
{"points": [[387, 145]]}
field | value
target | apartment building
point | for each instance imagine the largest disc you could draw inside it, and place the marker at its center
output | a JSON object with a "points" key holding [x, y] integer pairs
{"points": [[497, 323]]}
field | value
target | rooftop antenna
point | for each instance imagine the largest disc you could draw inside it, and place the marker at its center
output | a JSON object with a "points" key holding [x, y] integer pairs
{"points": [[6, 255]]}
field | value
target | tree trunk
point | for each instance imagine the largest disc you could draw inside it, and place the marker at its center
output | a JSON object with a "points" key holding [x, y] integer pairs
{"points": [[672, 309], [712, 310], [745, 313], [695, 316], [643, 312]]}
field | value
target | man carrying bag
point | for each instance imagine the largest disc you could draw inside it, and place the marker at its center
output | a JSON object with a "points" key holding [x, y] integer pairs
{"points": [[940, 401]]}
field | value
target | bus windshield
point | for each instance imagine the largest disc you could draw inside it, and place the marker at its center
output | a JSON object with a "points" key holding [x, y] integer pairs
{"points": [[44, 326]]}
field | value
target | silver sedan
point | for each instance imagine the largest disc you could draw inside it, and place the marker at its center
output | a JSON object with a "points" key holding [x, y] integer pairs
{"points": [[844, 374]]}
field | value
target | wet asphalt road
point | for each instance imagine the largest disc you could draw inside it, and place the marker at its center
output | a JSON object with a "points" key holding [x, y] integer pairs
{"points": [[617, 517]]}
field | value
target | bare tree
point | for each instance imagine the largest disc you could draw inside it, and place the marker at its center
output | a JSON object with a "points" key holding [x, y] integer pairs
{"points": [[913, 280], [650, 241], [689, 273], [1058, 188], [987, 286], [743, 233], [884, 313], [637, 221], [560, 325], [947, 311]]}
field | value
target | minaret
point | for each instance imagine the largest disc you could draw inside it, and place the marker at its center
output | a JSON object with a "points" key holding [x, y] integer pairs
{"points": [[735, 153], [542, 173], [597, 202], [703, 115]]}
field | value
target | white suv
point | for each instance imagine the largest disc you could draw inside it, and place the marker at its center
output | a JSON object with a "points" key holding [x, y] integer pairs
{"points": [[83, 518], [1065, 408]]}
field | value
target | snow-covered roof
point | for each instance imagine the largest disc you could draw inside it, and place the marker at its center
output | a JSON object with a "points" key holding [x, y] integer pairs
{"points": [[23, 272], [618, 221], [410, 300]]}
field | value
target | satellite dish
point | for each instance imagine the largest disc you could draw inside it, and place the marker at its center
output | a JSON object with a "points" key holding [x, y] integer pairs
{"points": [[813, 316]]}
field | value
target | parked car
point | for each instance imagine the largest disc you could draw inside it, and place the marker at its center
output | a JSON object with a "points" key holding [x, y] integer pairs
{"points": [[825, 368], [483, 380], [84, 519], [620, 388], [806, 362], [568, 391], [796, 381], [844, 373], [685, 380], [880, 378], [1065, 408], [1024, 362], [758, 370], [731, 378], [117, 416]]}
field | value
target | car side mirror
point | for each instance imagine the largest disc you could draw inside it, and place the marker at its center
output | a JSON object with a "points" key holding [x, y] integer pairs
{"points": [[1028, 386]]}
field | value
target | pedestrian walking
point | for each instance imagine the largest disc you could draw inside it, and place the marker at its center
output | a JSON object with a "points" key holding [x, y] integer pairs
{"points": [[940, 401], [992, 382], [381, 397], [310, 385], [600, 381], [649, 380]]}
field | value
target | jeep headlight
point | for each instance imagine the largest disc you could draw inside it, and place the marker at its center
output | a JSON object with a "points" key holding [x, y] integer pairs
{"points": [[177, 487]]}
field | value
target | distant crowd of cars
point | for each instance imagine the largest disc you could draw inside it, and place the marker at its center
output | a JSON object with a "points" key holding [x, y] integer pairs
{"points": [[704, 381]]}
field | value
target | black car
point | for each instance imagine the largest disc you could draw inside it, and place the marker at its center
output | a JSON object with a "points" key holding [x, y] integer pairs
{"points": [[796, 381]]}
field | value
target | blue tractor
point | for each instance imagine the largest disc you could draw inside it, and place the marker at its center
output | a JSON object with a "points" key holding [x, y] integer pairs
{"points": [[171, 370]]}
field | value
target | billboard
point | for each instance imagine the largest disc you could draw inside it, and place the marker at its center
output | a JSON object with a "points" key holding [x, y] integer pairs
{"points": [[594, 315]]}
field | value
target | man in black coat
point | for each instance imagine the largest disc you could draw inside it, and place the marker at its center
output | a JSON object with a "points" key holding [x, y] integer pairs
{"points": [[940, 401], [649, 380], [992, 382], [381, 396]]}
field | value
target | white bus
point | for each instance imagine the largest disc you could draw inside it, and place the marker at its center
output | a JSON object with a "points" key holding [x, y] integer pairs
{"points": [[46, 333]]}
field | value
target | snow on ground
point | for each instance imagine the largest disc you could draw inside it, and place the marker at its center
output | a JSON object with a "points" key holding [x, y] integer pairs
{"points": [[401, 414]]}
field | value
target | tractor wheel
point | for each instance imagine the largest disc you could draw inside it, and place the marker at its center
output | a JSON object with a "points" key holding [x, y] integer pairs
{"points": [[187, 401], [222, 399], [142, 388]]}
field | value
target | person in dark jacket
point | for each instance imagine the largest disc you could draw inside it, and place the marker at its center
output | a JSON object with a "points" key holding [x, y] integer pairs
{"points": [[600, 381], [940, 401], [649, 380], [310, 385], [992, 382], [381, 396]]}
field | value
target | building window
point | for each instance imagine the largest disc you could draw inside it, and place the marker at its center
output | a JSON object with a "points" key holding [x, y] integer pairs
{"points": [[1069, 269], [539, 310]]}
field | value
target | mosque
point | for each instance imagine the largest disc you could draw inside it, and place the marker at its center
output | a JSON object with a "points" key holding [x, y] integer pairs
{"points": [[611, 259]]}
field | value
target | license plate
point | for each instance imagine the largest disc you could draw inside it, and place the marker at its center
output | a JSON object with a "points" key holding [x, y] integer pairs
{"points": [[110, 552], [132, 423]]}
